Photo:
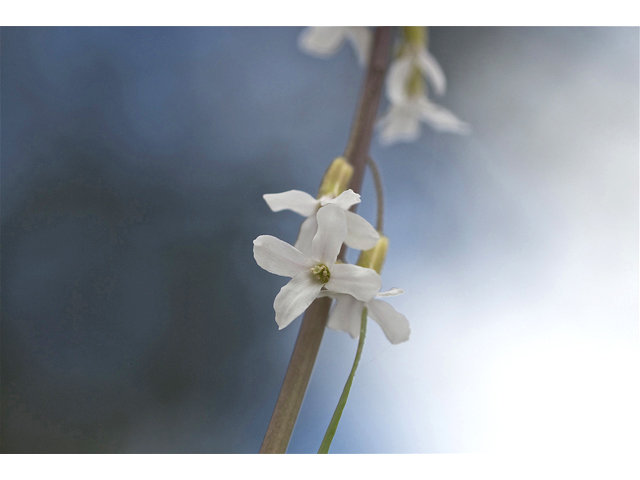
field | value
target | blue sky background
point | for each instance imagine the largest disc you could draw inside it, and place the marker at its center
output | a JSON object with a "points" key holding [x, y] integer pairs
{"points": [[134, 318]]}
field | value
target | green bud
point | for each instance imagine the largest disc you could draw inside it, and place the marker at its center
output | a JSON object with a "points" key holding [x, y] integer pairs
{"points": [[415, 85], [336, 179], [416, 35], [374, 258]]}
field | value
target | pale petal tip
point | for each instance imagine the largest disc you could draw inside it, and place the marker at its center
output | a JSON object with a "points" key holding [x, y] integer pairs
{"points": [[403, 339], [392, 292]]}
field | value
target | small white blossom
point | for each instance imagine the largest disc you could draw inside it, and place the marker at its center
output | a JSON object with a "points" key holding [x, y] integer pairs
{"points": [[402, 68], [401, 123], [408, 108], [360, 234], [324, 41], [347, 313], [315, 272]]}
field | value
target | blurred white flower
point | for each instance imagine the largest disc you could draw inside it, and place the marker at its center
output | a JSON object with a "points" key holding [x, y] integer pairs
{"points": [[409, 104], [312, 273], [360, 234], [402, 68], [347, 311], [325, 41], [401, 123]]}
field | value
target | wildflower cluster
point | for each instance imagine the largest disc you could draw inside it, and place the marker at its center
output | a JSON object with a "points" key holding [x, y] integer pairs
{"points": [[313, 265]]}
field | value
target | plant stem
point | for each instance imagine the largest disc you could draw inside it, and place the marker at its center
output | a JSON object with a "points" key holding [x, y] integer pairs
{"points": [[377, 181], [357, 151], [296, 379], [333, 425], [314, 322]]}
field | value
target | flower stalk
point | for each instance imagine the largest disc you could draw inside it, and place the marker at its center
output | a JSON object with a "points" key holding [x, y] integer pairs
{"points": [[314, 321], [337, 414], [357, 151]]}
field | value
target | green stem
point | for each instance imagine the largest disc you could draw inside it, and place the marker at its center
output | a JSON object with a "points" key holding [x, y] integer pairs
{"points": [[333, 425]]}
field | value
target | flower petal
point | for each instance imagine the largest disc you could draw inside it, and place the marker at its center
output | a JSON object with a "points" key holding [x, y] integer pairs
{"points": [[321, 41], [397, 79], [346, 314], [360, 234], [345, 200], [399, 124], [296, 200], [332, 230], [394, 325], [430, 68], [361, 39], [307, 231], [295, 297], [390, 293], [441, 119], [278, 257], [362, 283]]}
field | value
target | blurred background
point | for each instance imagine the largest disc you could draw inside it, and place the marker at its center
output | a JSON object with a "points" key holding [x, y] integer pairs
{"points": [[135, 319]]}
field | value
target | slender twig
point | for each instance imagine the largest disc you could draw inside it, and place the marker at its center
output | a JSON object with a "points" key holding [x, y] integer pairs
{"points": [[296, 379], [314, 321], [333, 425], [357, 151], [377, 181]]}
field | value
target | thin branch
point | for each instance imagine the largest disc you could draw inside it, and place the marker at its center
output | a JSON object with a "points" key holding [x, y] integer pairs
{"points": [[357, 151], [296, 379]]}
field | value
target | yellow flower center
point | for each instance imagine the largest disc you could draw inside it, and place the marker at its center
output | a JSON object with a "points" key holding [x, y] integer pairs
{"points": [[321, 272]]}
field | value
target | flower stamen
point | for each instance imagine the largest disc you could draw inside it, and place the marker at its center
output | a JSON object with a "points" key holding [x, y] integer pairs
{"points": [[321, 272]]}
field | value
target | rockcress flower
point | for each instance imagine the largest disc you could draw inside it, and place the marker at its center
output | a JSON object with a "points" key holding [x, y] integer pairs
{"points": [[347, 311], [311, 274], [401, 123], [360, 234], [324, 41], [406, 91]]}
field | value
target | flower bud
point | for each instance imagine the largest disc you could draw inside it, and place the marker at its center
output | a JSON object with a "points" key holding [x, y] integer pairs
{"points": [[415, 35], [374, 258], [336, 179]]}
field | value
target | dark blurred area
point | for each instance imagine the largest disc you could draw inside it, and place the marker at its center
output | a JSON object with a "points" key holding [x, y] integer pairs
{"points": [[129, 317]]}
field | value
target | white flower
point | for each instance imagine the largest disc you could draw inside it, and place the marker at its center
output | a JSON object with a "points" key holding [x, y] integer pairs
{"points": [[311, 273], [403, 67], [409, 105], [401, 123], [325, 41], [360, 234], [347, 312]]}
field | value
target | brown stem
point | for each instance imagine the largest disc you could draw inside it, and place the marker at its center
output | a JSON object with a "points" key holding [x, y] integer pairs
{"points": [[296, 379], [314, 322], [377, 181], [357, 151]]}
